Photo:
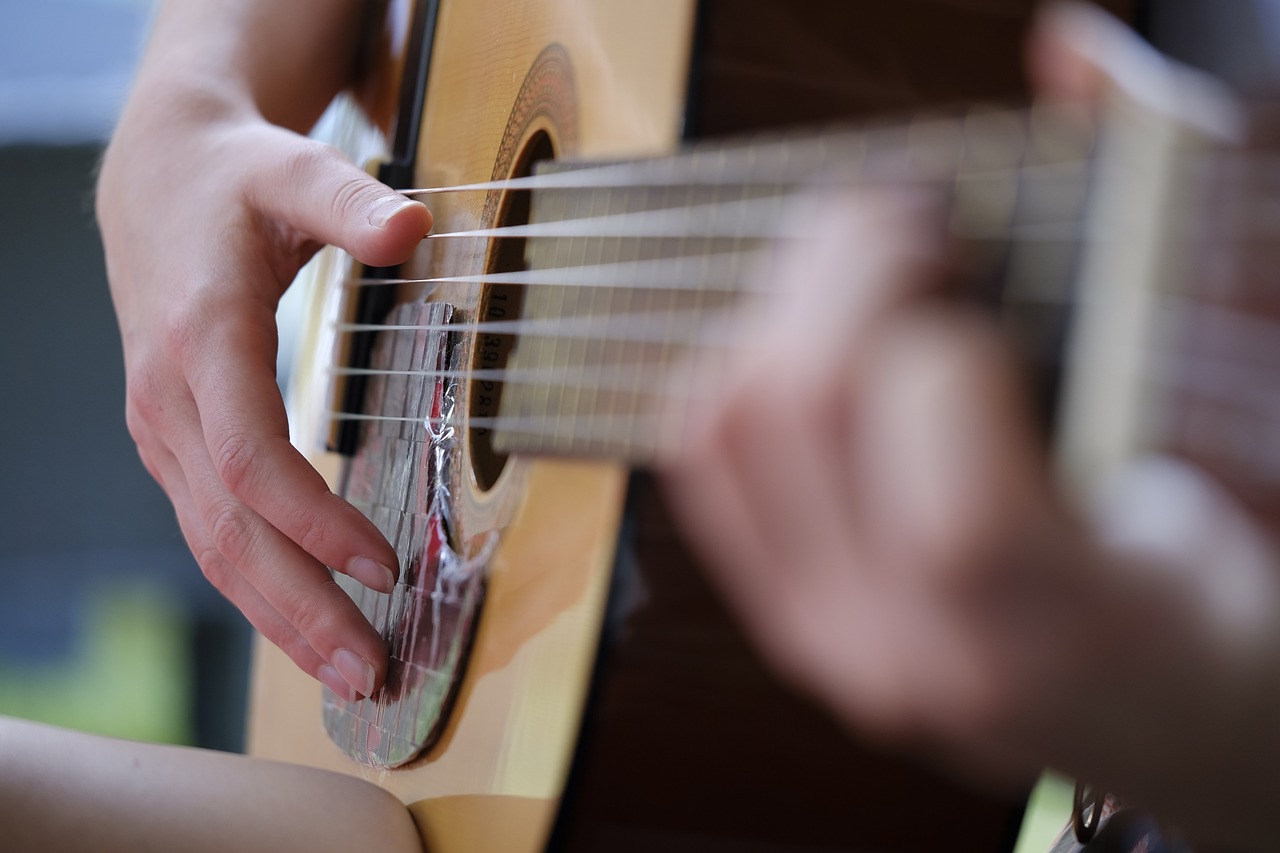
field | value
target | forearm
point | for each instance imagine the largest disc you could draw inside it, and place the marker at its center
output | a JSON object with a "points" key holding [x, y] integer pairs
{"points": [[283, 59]]}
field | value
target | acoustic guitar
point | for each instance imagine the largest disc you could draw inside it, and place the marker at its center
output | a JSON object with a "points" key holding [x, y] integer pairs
{"points": [[603, 177]]}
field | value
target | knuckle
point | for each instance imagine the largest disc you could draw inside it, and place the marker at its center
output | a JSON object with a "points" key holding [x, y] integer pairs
{"points": [[182, 334], [305, 160], [297, 649], [235, 458], [312, 615], [231, 532], [144, 400], [310, 532], [140, 411], [280, 634], [149, 463], [350, 198], [212, 565]]}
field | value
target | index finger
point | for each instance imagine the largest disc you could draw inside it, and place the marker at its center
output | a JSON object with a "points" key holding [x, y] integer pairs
{"points": [[246, 430]]}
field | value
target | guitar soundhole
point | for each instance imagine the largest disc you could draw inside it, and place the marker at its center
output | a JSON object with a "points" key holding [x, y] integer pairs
{"points": [[501, 303]]}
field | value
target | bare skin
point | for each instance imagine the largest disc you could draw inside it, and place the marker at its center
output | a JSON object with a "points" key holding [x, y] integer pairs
{"points": [[68, 792], [209, 203]]}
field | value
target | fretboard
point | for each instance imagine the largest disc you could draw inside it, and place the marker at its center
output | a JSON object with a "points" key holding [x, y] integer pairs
{"points": [[632, 268]]}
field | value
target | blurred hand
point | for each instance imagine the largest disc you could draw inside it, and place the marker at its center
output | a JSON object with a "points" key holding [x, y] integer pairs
{"points": [[207, 212], [867, 489], [868, 492]]}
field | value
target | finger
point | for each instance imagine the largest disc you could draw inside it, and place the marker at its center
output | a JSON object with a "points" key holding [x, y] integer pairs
{"points": [[245, 431], [291, 582], [708, 501], [317, 190], [867, 252], [287, 595], [1078, 53], [780, 448], [1059, 49], [223, 577], [871, 254], [947, 441]]}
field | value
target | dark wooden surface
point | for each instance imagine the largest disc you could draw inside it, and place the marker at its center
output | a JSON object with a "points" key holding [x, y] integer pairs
{"points": [[762, 63], [692, 744]]}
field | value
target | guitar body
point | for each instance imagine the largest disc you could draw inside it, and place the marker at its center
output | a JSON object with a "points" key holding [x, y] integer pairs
{"points": [[668, 734]]}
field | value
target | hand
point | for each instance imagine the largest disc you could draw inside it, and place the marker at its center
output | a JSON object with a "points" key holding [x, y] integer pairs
{"points": [[207, 212], [866, 487], [867, 490]]}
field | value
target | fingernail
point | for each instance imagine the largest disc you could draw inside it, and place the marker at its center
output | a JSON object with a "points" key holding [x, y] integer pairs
{"points": [[386, 208], [332, 679], [372, 574], [355, 670]]}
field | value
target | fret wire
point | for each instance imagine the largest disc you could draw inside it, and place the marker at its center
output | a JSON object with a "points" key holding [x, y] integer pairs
{"points": [[556, 308], [664, 300], [577, 354], [516, 396]]}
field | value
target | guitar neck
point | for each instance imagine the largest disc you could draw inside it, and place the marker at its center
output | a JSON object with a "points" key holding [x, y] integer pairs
{"points": [[1114, 264], [633, 268]]}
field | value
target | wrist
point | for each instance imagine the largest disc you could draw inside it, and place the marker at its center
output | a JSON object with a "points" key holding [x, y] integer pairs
{"points": [[177, 97], [243, 57]]}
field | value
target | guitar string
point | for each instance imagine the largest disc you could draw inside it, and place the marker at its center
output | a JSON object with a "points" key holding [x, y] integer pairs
{"points": [[762, 229], [1222, 379], [720, 271], [709, 271], [750, 218], [651, 223], [695, 174], [1251, 217], [631, 327], [1255, 342], [1222, 382], [1252, 168], [661, 383], [648, 327]]}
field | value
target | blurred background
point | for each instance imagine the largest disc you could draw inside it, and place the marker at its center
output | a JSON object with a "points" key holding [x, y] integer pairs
{"points": [[106, 624]]}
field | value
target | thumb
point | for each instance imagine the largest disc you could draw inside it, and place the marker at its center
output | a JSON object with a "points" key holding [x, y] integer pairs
{"points": [[314, 188], [1079, 54]]}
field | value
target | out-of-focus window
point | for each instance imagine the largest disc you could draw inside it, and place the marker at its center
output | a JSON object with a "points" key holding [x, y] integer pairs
{"points": [[65, 66]]}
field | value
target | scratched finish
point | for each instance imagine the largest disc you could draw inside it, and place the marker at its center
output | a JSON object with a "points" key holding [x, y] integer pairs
{"points": [[400, 479]]}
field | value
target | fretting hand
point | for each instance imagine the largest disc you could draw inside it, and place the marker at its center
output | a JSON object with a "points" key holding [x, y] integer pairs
{"points": [[867, 490]]}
